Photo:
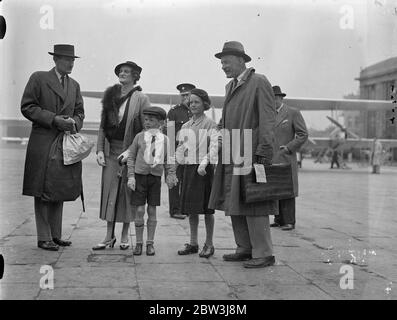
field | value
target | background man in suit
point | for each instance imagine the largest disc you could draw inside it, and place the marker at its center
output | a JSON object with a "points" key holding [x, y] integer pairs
{"points": [[290, 135], [52, 101], [180, 114]]}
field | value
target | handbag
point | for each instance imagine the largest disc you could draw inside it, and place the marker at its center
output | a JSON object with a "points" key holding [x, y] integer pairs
{"points": [[76, 147], [279, 184]]}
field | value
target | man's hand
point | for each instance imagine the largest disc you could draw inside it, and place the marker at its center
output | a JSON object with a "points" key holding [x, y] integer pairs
{"points": [[263, 160], [100, 158], [124, 156], [131, 183], [64, 123]]}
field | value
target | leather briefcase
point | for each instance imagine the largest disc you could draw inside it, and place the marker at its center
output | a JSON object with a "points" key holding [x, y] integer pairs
{"points": [[278, 186]]}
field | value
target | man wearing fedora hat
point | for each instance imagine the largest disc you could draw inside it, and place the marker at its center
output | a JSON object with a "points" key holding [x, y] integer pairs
{"points": [[53, 103], [177, 116], [249, 105], [290, 135]]}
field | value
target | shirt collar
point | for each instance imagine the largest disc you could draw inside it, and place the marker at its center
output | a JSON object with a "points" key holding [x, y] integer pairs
{"points": [[198, 120], [241, 75], [152, 132], [278, 110], [59, 75]]}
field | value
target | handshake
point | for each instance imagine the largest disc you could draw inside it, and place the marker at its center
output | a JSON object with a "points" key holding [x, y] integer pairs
{"points": [[65, 123]]}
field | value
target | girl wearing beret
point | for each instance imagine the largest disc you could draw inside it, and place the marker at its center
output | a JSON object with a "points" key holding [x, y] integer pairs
{"points": [[197, 149]]}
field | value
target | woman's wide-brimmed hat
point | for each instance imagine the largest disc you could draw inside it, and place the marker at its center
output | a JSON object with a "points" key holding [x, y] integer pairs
{"points": [[277, 91], [233, 48], [66, 50], [131, 64]]}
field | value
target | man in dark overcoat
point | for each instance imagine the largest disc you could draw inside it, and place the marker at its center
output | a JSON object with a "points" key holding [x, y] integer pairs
{"points": [[290, 135], [249, 106], [53, 102], [177, 116]]}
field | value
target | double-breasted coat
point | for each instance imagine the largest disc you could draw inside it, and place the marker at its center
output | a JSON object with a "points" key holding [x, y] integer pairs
{"points": [[290, 131], [42, 100], [250, 105]]}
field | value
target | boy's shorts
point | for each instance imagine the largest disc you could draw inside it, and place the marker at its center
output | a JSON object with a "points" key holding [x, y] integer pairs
{"points": [[147, 189]]}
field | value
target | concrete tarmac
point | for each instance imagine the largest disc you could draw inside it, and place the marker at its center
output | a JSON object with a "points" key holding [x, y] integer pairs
{"points": [[343, 247]]}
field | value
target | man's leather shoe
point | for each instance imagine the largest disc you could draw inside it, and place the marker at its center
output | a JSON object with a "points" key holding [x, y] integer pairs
{"points": [[237, 256], [287, 227], [260, 262], [62, 243], [47, 245], [189, 249], [275, 225], [178, 216]]}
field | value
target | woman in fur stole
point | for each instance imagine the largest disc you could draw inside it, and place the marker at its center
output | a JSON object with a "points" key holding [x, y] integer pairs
{"points": [[121, 120]]}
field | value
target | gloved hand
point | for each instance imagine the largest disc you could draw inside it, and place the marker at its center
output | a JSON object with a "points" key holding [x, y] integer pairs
{"points": [[131, 183], [171, 180], [201, 169], [64, 123], [100, 158], [263, 160], [124, 156]]}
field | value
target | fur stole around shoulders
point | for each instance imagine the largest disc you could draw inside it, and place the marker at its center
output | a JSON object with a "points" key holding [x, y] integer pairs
{"points": [[111, 103]]}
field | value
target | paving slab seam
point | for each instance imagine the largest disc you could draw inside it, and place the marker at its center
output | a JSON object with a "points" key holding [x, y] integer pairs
{"points": [[310, 281], [2, 240]]}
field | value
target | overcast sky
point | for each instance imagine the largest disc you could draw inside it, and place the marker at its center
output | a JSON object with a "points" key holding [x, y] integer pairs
{"points": [[309, 48]]}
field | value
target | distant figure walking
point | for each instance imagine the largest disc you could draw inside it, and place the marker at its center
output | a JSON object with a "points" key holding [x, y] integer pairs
{"points": [[376, 155]]}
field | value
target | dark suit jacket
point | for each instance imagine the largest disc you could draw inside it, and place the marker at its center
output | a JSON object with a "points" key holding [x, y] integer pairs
{"points": [[42, 100], [290, 131]]}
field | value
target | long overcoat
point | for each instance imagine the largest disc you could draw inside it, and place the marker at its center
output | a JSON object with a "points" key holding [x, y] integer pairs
{"points": [[290, 131], [251, 106], [42, 100]]}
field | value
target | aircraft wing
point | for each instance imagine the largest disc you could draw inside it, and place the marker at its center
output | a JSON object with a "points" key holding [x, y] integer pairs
{"points": [[305, 104], [353, 143]]}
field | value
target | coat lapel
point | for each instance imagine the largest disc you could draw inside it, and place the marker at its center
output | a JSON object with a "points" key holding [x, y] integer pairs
{"points": [[131, 110], [230, 92], [55, 85], [281, 115]]}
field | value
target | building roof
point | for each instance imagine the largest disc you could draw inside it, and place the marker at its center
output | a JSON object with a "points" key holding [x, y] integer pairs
{"points": [[379, 69]]}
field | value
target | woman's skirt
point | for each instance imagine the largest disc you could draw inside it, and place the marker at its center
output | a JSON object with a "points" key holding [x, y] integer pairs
{"points": [[125, 211], [196, 190]]}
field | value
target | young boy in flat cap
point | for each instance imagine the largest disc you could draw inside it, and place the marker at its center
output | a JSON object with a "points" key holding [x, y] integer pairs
{"points": [[146, 162]]}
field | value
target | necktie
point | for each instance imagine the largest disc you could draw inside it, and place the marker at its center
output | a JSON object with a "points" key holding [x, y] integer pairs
{"points": [[234, 84], [63, 81], [152, 146]]}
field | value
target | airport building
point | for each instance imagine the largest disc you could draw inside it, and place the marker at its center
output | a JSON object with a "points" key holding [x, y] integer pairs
{"points": [[376, 83]]}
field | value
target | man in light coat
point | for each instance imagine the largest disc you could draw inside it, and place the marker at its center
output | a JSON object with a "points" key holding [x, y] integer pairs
{"points": [[290, 135], [249, 105], [53, 103]]}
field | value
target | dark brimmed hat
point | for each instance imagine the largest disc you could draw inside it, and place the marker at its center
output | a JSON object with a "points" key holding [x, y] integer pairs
{"points": [[185, 87], [131, 64], [233, 48], [66, 50], [156, 111], [203, 95], [277, 91]]}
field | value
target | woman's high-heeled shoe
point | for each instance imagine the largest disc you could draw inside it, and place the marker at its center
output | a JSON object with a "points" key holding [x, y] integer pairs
{"points": [[102, 246], [138, 249], [207, 251]]}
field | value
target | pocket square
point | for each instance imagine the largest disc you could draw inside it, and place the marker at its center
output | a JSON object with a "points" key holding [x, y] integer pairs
{"points": [[286, 120]]}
